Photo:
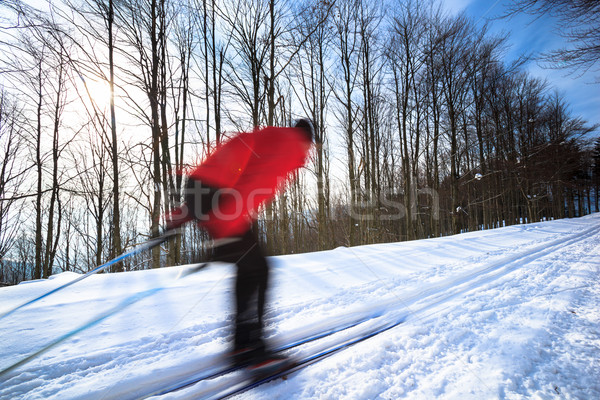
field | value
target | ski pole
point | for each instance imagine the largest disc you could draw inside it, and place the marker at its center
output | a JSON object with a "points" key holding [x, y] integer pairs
{"points": [[138, 249], [95, 321]]}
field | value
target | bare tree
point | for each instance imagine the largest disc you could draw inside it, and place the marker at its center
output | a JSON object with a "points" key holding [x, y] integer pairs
{"points": [[455, 56], [52, 230], [596, 173], [313, 89], [347, 50], [370, 19], [249, 28], [36, 81], [145, 26], [12, 171], [92, 177], [433, 103], [90, 27], [481, 77], [578, 22], [493, 145], [407, 60]]}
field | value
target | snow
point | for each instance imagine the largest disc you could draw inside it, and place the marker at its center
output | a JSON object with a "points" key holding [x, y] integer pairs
{"points": [[507, 313]]}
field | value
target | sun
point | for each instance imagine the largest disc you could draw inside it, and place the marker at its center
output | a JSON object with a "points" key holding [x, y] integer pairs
{"points": [[99, 92]]}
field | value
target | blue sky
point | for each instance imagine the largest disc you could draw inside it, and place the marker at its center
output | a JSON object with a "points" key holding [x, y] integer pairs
{"points": [[533, 35]]}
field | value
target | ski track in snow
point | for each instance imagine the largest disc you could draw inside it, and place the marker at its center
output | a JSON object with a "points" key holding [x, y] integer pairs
{"points": [[510, 313]]}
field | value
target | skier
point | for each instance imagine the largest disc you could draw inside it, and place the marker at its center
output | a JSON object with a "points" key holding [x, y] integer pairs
{"points": [[223, 194]]}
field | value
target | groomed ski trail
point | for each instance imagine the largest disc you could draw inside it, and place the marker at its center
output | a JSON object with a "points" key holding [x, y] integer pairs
{"points": [[476, 303], [523, 326], [430, 302]]}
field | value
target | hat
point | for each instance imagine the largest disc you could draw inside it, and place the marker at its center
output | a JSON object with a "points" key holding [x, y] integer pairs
{"points": [[308, 127]]}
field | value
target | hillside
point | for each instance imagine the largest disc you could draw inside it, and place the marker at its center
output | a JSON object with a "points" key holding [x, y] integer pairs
{"points": [[506, 313]]}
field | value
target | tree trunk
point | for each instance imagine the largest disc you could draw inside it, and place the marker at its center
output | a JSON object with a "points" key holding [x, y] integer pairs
{"points": [[156, 130], [38, 201], [116, 248]]}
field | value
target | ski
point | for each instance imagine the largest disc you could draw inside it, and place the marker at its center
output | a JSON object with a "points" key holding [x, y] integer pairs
{"points": [[309, 359], [242, 381], [220, 368], [138, 249]]}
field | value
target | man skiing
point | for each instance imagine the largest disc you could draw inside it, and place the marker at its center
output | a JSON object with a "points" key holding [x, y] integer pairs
{"points": [[223, 194]]}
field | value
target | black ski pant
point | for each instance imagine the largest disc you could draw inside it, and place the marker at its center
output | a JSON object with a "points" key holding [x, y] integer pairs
{"points": [[250, 288], [252, 270]]}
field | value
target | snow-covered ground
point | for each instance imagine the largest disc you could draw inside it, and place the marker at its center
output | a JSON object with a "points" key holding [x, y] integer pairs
{"points": [[507, 313]]}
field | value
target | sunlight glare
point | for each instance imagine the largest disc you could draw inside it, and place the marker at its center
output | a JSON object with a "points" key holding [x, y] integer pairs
{"points": [[99, 92]]}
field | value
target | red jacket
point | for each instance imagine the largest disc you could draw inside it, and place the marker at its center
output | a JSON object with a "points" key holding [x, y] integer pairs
{"points": [[250, 169]]}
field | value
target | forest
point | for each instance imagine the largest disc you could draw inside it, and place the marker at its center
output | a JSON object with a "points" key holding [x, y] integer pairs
{"points": [[426, 130]]}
